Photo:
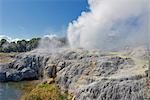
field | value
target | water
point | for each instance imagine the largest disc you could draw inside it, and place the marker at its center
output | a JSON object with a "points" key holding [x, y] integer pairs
{"points": [[8, 91], [14, 90]]}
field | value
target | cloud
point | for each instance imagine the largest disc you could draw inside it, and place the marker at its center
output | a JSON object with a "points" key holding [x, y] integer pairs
{"points": [[9, 39], [111, 24]]}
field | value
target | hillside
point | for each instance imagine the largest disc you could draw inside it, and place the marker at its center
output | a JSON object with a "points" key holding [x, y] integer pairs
{"points": [[85, 74]]}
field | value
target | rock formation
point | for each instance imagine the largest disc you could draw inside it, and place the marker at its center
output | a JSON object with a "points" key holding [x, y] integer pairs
{"points": [[87, 74]]}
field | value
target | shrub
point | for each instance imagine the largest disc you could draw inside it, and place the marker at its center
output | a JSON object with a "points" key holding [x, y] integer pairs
{"points": [[46, 91]]}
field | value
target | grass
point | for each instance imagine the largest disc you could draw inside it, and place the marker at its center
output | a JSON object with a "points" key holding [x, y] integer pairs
{"points": [[46, 91], [7, 57], [114, 53], [110, 53]]}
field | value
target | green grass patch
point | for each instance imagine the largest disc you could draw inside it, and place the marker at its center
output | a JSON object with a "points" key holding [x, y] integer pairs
{"points": [[46, 92], [46, 85]]}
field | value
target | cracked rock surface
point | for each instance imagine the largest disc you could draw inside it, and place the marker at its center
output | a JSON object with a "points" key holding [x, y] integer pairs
{"points": [[87, 74]]}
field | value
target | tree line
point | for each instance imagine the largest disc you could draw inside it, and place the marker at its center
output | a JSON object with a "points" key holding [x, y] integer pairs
{"points": [[19, 46]]}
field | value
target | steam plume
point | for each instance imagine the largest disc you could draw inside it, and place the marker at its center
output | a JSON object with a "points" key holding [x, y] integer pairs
{"points": [[51, 42], [111, 24]]}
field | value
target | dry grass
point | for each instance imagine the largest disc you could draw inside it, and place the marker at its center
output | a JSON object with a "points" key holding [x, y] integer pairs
{"points": [[46, 91], [7, 57]]}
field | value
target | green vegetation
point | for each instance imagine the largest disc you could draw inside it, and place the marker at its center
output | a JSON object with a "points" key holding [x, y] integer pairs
{"points": [[19, 46], [46, 91]]}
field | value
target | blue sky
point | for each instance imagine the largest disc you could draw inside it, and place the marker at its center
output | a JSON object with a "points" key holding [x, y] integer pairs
{"points": [[35, 18]]}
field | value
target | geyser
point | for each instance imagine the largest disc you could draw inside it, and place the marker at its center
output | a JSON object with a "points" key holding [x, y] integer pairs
{"points": [[51, 42], [111, 24]]}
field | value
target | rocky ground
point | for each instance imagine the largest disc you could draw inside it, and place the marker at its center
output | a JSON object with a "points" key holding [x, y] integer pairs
{"points": [[87, 74]]}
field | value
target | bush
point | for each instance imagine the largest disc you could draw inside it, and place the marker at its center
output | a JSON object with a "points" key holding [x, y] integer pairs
{"points": [[46, 91]]}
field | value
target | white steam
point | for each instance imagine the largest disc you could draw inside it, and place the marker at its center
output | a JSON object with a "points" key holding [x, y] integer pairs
{"points": [[111, 24], [50, 43]]}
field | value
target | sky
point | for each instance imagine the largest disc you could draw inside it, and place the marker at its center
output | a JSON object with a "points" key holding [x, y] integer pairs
{"points": [[25, 19]]}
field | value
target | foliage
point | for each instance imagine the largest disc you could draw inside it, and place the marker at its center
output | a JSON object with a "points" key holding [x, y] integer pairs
{"points": [[19, 46], [46, 91]]}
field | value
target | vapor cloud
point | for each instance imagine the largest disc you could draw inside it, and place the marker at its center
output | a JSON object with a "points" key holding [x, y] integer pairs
{"points": [[9, 39], [51, 42], [111, 24]]}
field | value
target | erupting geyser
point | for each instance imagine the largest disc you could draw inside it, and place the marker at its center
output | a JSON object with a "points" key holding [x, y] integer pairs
{"points": [[111, 24]]}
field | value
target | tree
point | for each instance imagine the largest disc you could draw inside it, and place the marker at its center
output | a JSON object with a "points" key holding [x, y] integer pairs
{"points": [[21, 46], [3, 41], [4, 45], [33, 43], [13, 47]]}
